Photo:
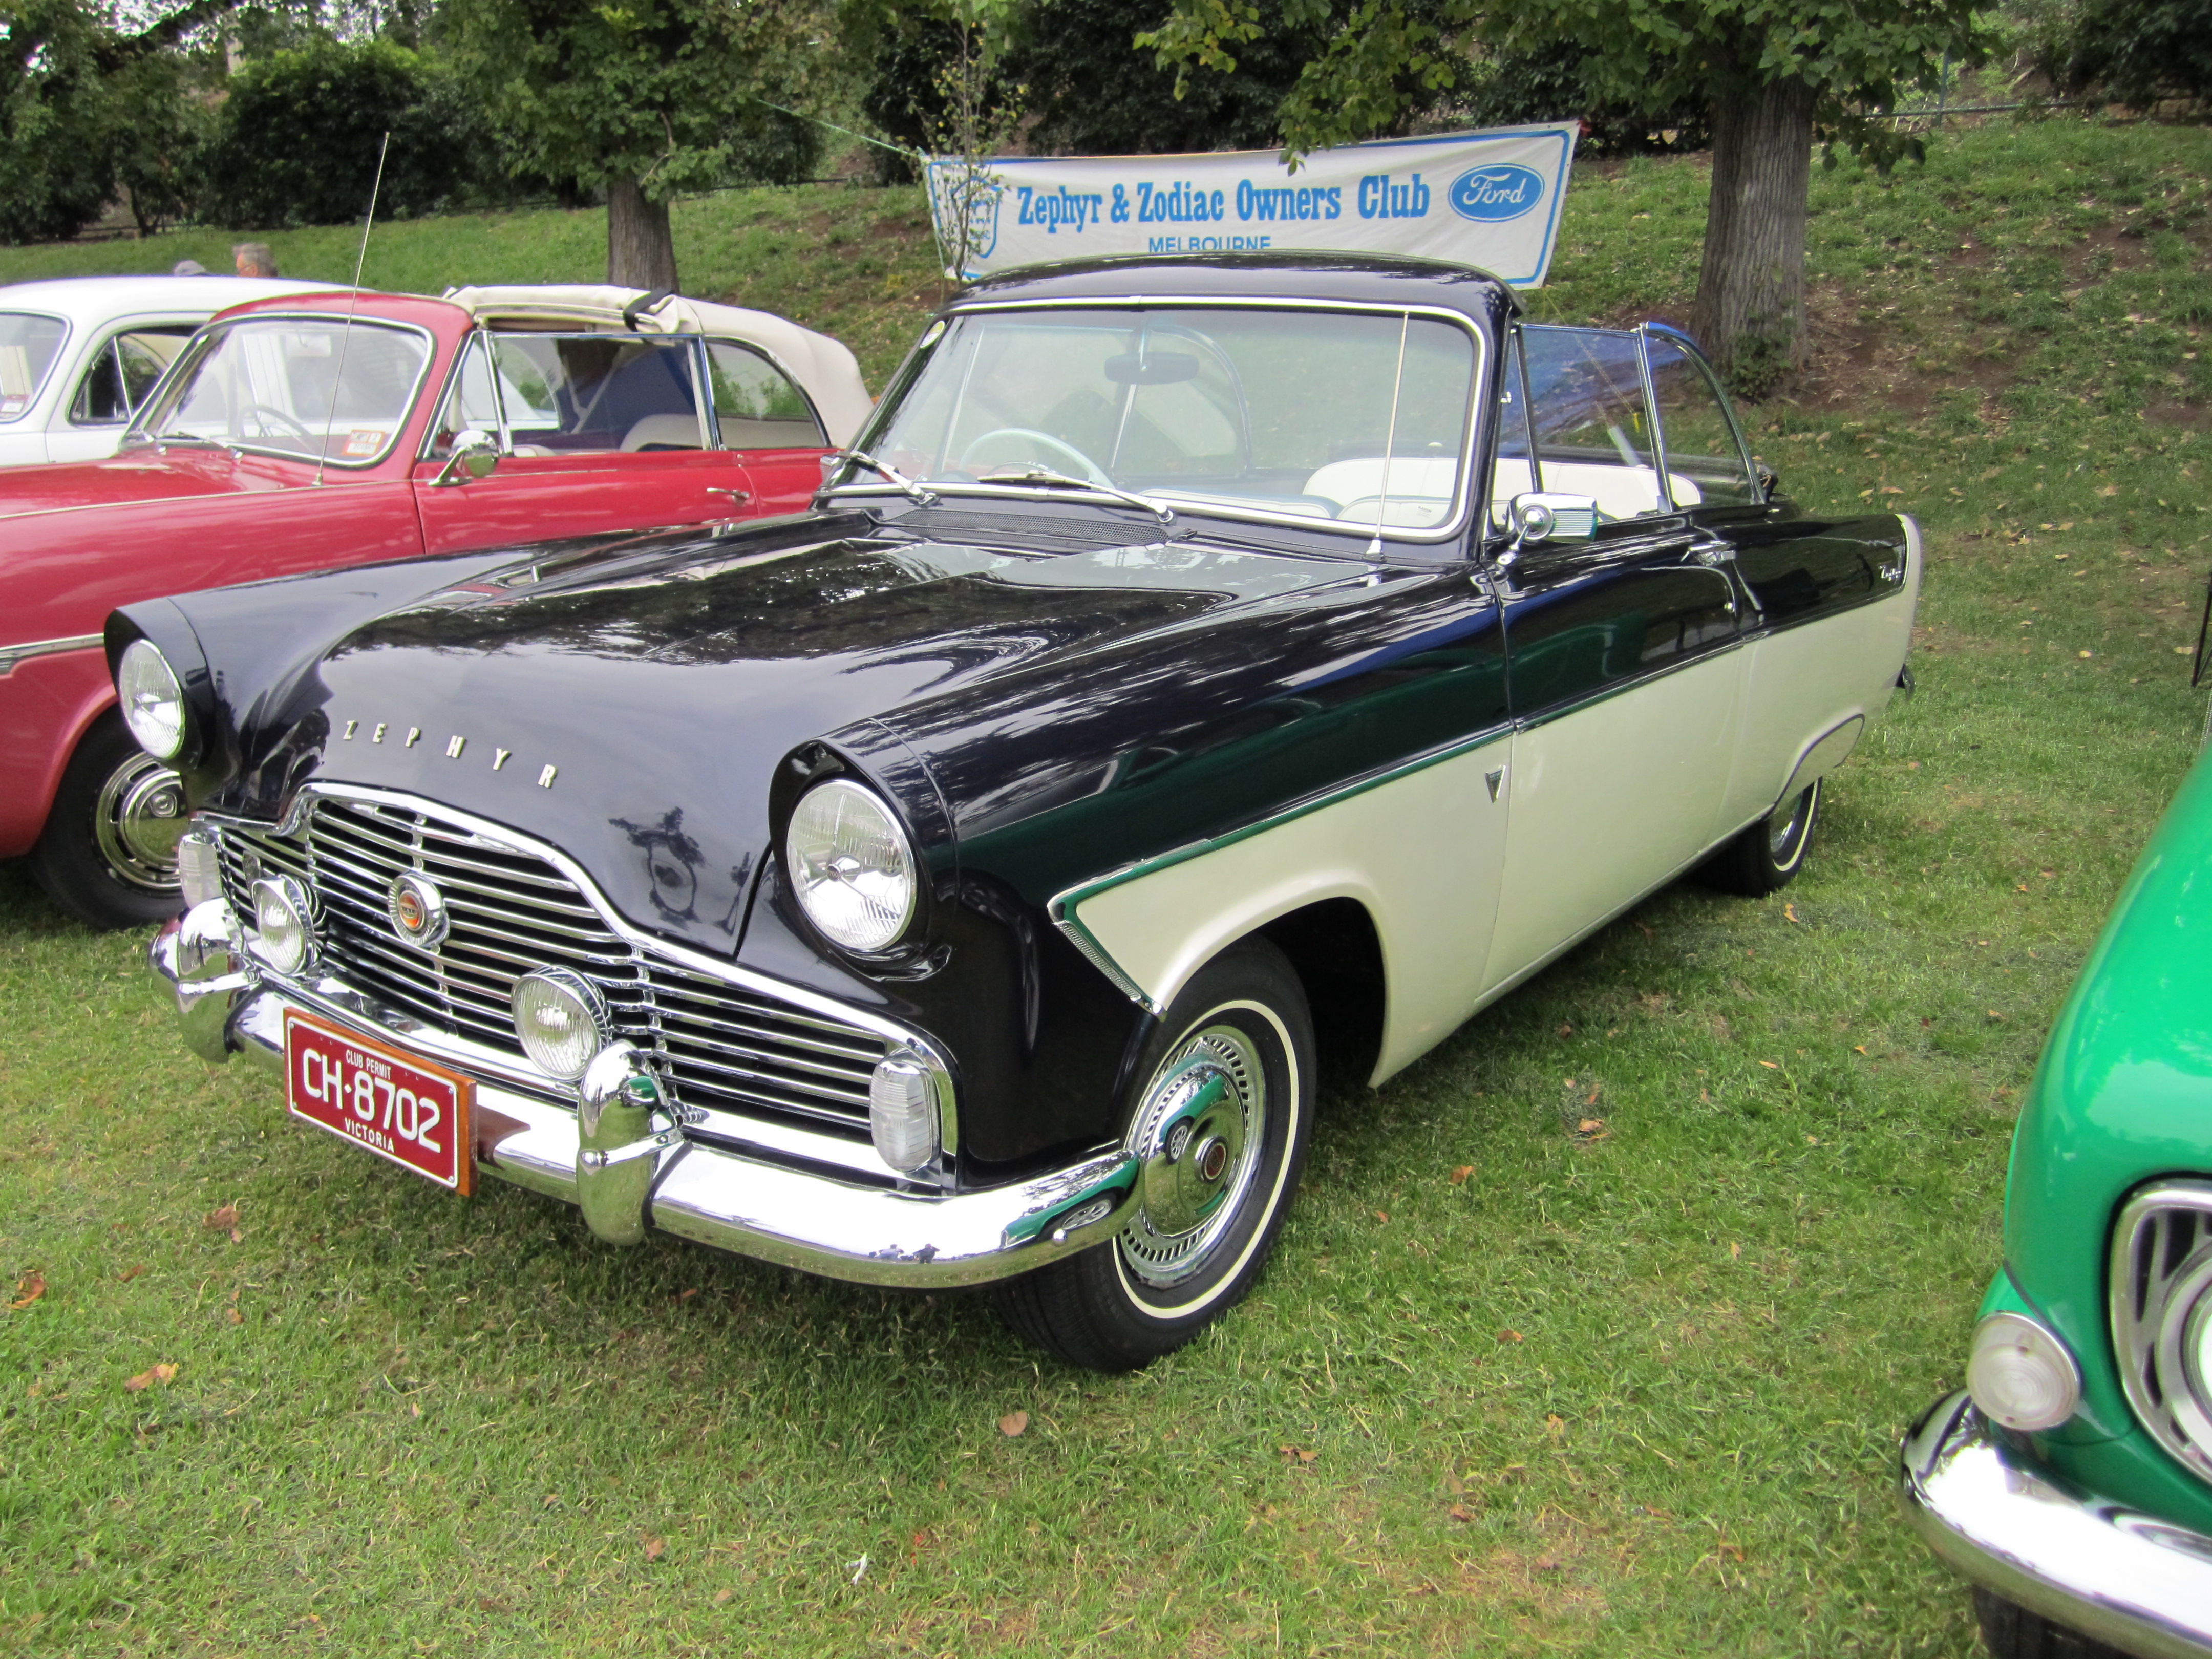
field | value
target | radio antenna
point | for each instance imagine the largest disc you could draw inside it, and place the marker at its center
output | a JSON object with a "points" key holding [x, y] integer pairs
{"points": [[353, 304]]}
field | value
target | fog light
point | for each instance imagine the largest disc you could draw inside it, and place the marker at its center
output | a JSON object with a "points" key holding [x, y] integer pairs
{"points": [[198, 867], [284, 924], [2021, 1375], [561, 1019], [903, 1112]]}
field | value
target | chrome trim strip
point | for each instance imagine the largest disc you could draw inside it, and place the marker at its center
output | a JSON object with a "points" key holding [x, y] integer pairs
{"points": [[2116, 1575], [26, 649], [869, 1233], [1465, 497], [728, 973], [1061, 907], [2180, 1421]]}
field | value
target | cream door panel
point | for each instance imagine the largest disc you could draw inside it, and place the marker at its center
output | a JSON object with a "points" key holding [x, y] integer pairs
{"points": [[1806, 680], [1423, 852], [1610, 800]]}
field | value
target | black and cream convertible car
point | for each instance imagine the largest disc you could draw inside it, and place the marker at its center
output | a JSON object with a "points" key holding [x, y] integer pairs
{"points": [[1197, 666]]}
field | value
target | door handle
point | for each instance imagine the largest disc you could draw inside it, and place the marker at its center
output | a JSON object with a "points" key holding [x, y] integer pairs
{"points": [[737, 497]]}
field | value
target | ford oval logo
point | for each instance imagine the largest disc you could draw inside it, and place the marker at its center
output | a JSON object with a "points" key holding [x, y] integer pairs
{"points": [[1502, 190]]}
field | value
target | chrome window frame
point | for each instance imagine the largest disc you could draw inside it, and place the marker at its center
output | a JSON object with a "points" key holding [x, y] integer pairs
{"points": [[1468, 502], [701, 402], [1688, 347], [813, 408], [201, 342]]}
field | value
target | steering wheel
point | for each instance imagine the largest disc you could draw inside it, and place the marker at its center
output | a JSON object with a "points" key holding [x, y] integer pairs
{"points": [[1084, 464], [263, 415]]}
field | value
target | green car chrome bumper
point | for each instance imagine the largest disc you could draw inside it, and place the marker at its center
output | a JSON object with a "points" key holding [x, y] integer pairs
{"points": [[2122, 1577]]}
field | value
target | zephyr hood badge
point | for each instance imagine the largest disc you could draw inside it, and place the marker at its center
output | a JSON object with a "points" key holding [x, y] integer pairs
{"points": [[418, 911]]}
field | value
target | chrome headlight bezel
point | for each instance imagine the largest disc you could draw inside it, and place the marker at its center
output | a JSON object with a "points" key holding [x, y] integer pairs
{"points": [[152, 698], [870, 923], [283, 896]]}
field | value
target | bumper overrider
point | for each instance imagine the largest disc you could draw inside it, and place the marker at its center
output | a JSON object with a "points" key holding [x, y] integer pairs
{"points": [[629, 1164], [2122, 1577]]}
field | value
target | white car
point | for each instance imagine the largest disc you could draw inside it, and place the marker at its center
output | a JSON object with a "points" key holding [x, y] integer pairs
{"points": [[78, 354]]}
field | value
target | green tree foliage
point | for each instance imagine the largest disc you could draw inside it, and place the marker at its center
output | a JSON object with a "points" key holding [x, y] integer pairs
{"points": [[644, 98], [84, 106], [2135, 52], [1777, 78], [299, 133]]}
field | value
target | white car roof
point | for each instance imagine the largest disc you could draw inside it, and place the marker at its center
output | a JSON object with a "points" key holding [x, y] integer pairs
{"points": [[824, 368], [102, 299]]}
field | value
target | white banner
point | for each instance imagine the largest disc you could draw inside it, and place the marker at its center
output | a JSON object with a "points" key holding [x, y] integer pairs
{"points": [[1487, 199]]}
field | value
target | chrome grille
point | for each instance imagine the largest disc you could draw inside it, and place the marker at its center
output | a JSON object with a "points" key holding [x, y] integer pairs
{"points": [[2161, 1309], [720, 1046]]}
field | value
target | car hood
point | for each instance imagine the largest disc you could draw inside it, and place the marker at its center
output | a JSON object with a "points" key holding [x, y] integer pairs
{"points": [[144, 475], [630, 704]]}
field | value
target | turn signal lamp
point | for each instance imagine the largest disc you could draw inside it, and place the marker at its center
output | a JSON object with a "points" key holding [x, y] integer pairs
{"points": [[2020, 1375], [903, 1112], [283, 923], [561, 1019]]}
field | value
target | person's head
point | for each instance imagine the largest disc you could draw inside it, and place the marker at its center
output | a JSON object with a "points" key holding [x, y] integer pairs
{"points": [[255, 260], [188, 267]]}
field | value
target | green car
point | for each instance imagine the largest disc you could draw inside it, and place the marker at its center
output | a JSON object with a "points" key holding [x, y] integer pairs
{"points": [[2071, 1480]]}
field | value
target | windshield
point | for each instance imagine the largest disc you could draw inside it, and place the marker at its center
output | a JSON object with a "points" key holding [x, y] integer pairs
{"points": [[290, 386], [1333, 418], [29, 343]]}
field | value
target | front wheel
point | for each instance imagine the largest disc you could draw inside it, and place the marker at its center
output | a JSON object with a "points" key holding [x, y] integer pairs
{"points": [[108, 853], [1764, 857], [1220, 1129], [2011, 1631]]}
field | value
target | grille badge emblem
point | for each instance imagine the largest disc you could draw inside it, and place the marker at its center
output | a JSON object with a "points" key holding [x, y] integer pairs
{"points": [[418, 911]]}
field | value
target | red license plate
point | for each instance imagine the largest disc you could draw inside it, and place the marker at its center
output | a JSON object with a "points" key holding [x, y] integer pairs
{"points": [[415, 1114]]}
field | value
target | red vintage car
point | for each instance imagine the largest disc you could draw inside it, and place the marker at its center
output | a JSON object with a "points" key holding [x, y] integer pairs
{"points": [[306, 432]]}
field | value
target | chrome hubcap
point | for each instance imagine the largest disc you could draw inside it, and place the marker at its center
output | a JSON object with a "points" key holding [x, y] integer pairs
{"points": [[137, 821], [1196, 1156], [1782, 840]]}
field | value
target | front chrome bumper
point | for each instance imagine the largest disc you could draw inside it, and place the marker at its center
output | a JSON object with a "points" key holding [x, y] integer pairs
{"points": [[2122, 1577], [799, 1218]]}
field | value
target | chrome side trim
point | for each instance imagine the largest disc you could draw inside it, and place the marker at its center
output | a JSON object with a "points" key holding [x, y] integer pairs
{"points": [[804, 1218], [2118, 1575], [23, 650], [481, 1059], [1063, 906]]}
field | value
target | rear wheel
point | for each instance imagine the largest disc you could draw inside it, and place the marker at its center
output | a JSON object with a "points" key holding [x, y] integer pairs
{"points": [[2011, 1631], [1767, 855], [108, 854], [1220, 1128]]}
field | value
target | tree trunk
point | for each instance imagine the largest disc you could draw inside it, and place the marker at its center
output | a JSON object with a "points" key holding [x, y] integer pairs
{"points": [[1750, 311], [640, 249]]}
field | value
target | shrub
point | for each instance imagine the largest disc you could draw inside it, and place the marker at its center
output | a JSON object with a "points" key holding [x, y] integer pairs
{"points": [[2137, 53]]}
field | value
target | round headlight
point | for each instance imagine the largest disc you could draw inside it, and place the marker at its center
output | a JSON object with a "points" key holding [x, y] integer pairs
{"points": [[2020, 1375], [561, 1019], [153, 701], [284, 924], [851, 866]]}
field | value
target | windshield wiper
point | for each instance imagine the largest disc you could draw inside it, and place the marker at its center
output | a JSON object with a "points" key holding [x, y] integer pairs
{"points": [[1045, 477], [906, 486]]}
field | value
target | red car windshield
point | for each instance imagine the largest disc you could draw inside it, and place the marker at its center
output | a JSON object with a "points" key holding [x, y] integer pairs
{"points": [[310, 388]]}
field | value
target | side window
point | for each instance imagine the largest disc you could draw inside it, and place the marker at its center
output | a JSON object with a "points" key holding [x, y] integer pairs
{"points": [[756, 405], [1515, 471], [571, 393], [471, 403], [1593, 428], [123, 374], [1705, 463]]}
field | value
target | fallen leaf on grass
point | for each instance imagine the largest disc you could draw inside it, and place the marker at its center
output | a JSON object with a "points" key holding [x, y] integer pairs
{"points": [[655, 1547], [1555, 1425], [1771, 1066], [130, 1274], [234, 1316], [1382, 1216], [145, 1380], [1297, 1454], [1459, 1176], [722, 1596], [1546, 1564], [28, 1289], [1461, 1512], [1566, 1031], [2109, 489], [685, 1296], [1789, 913], [1860, 1049], [1511, 1336], [1013, 1423], [1734, 1250], [221, 1220]]}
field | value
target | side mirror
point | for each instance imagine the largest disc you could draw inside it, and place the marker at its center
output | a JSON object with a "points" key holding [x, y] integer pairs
{"points": [[1770, 483], [474, 454], [1538, 517]]}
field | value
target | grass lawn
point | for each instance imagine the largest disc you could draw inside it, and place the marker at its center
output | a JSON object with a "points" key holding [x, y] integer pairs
{"points": [[1512, 1384]]}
